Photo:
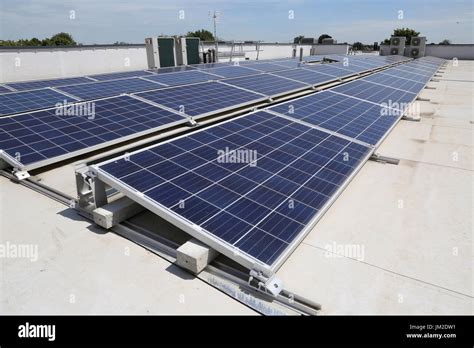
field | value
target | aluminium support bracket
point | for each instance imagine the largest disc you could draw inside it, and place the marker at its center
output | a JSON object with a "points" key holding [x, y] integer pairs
{"points": [[271, 285], [384, 159]]}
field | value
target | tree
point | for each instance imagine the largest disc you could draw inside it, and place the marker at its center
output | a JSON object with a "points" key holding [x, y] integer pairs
{"points": [[322, 37], [445, 42], [204, 35], [298, 39], [408, 33], [359, 46], [60, 39]]}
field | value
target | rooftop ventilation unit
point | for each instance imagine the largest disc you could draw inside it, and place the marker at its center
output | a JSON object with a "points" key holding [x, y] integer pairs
{"points": [[417, 47], [397, 45], [160, 52], [187, 50]]}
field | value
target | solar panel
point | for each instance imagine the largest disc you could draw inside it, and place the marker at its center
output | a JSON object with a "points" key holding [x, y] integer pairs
{"points": [[329, 69], [4, 89], [376, 93], [311, 77], [255, 211], [23, 86], [232, 71], [17, 102], [403, 73], [353, 118], [211, 65], [121, 75], [172, 69], [183, 78], [289, 63], [395, 82], [202, 99], [95, 90], [266, 84], [266, 67], [50, 134]]}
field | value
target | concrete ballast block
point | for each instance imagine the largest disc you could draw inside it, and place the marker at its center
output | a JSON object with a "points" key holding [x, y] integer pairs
{"points": [[113, 213], [194, 256]]}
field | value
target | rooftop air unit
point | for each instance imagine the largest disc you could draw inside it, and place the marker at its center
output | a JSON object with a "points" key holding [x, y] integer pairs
{"points": [[160, 52], [416, 48], [397, 45], [187, 50]]}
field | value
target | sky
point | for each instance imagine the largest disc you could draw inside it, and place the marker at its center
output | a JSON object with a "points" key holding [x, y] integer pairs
{"points": [[109, 21]]}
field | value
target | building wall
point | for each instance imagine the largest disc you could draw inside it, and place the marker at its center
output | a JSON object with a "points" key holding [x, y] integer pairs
{"points": [[459, 51], [44, 63], [34, 64]]}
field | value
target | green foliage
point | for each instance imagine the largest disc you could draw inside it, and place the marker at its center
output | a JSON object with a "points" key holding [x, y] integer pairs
{"points": [[322, 37], [445, 42], [204, 35], [407, 32], [59, 39], [298, 39], [359, 46]]}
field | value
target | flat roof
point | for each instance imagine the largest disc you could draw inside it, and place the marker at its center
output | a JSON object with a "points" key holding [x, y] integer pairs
{"points": [[409, 227]]}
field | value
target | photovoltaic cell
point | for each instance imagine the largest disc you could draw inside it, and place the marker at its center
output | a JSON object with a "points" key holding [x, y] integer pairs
{"points": [[121, 75], [17, 102], [257, 208], [269, 85], [202, 98], [307, 76], [376, 93], [95, 90], [395, 82], [354, 118], [266, 67], [48, 134], [232, 71], [22, 86], [4, 90], [183, 78]]}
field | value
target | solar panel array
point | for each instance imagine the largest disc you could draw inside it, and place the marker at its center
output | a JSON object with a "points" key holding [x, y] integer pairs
{"points": [[201, 99], [47, 134], [257, 208], [190, 96], [95, 90], [18, 102]]}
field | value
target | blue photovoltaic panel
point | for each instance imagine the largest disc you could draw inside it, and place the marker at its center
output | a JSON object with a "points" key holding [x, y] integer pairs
{"points": [[45, 134], [232, 71], [354, 118], [329, 69], [202, 98], [289, 63], [401, 72], [95, 90], [121, 75], [307, 76], [395, 82], [23, 86], [5, 90], [258, 207], [183, 78], [211, 65], [266, 67], [172, 69], [17, 102], [376, 93], [353, 68], [269, 85]]}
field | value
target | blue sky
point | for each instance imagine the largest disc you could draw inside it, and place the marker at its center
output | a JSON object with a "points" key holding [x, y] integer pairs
{"points": [[108, 21]]}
